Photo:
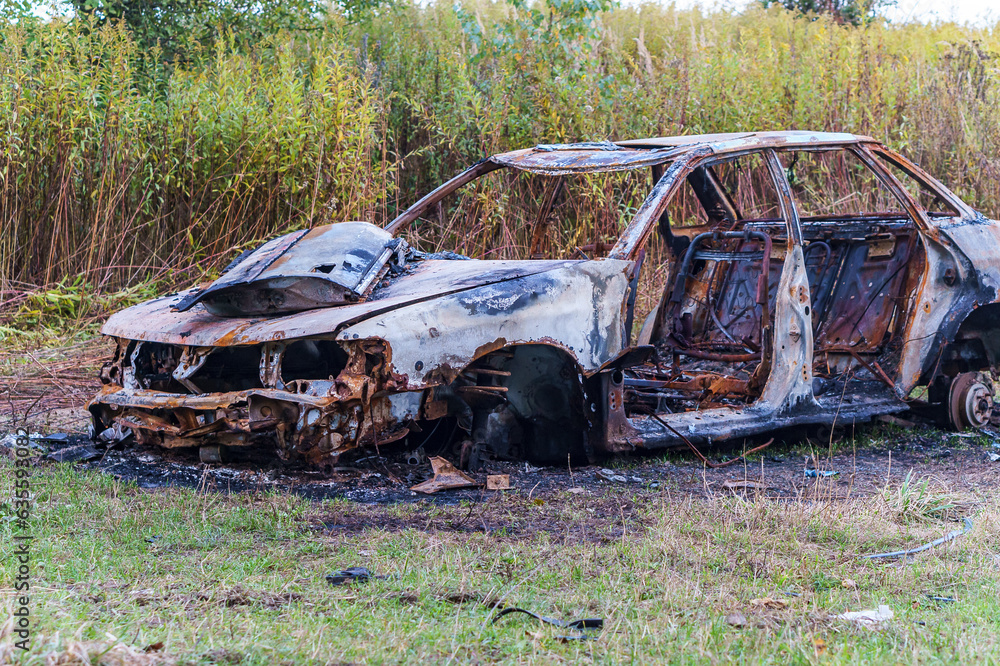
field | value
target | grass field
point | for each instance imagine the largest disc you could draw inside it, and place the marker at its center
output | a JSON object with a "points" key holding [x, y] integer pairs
{"points": [[201, 577]]}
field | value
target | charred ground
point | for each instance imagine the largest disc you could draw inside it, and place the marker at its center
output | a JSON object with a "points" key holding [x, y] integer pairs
{"points": [[864, 462]]}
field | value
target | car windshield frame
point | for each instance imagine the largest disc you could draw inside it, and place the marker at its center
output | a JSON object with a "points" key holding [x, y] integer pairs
{"points": [[554, 161]]}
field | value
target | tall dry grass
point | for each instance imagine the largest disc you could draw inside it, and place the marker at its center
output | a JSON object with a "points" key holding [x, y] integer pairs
{"points": [[117, 169]]}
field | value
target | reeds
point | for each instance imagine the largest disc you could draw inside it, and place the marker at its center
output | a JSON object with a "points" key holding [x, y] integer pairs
{"points": [[118, 169], [115, 170]]}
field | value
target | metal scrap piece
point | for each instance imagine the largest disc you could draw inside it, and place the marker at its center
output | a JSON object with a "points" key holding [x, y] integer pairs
{"points": [[446, 477], [498, 482]]}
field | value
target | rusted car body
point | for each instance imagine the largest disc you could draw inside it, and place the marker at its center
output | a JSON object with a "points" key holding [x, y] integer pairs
{"points": [[340, 337]]}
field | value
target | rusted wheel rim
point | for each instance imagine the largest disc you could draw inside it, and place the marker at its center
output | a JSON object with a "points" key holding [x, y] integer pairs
{"points": [[971, 402]]}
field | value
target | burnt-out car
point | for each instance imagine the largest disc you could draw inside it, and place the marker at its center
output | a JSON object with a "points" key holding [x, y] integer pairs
{"points": [[797, 279]]}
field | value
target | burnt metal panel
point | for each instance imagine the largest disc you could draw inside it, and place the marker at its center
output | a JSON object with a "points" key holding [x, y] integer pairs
{"points": [[556, 160], [332, 264], [733, 142], [576, 308], [157, 321]]}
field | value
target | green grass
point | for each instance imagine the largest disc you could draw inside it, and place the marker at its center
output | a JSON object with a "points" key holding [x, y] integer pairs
{"points": [[210, 576]]}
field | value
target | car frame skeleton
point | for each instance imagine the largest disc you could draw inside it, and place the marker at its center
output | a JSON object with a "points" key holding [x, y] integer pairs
{"points": [[342, 337]]}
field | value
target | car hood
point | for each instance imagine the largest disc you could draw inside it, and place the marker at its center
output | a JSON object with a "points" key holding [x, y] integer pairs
{"points": [[162, 320], [328, 265]]}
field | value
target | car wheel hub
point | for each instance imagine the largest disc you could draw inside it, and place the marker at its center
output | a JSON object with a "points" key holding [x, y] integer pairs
{"points": [[971, 400]]}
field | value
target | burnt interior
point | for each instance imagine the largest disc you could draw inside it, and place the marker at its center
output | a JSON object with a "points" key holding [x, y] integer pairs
{"points": [[712, 329], [153, 364], [230, 369], [312, 359]]}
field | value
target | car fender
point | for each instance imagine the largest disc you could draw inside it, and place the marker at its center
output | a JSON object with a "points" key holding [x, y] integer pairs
{"points": [[962, 272], [578, 308]]}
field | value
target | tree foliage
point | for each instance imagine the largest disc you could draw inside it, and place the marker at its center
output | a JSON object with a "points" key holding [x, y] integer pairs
{"points": [[176, 26], [853, 12]]}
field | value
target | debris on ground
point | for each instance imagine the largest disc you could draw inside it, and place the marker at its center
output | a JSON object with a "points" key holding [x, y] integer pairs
{"points": [[498, 482], [816, 473], [367, 479], [769, 603], [416, 456], [610, 476], [579, 625], [446, 477], [12, 441], [79, 453], [53, 438], [744, 484], [994, 457], [871, 619], [351, 575], [896, 421], [954, 534]]}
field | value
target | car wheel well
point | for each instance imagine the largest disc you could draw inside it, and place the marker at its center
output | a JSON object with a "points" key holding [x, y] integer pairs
{"points": [[542, 407], [976, 345]]}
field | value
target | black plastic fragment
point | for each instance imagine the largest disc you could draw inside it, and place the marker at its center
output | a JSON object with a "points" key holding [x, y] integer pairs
{"points": [[350, 575], [80, 453], [579, 625]]}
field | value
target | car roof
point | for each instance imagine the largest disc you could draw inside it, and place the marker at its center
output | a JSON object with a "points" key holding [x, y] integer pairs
{"points": [[555, 159], [742, 140]]}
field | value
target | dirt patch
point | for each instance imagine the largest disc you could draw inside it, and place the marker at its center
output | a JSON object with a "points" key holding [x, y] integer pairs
{"points": [[458, 598], [112, 596], [241, 597]]}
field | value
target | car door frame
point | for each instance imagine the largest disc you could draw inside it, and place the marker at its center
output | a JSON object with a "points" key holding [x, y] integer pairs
{"points": [[789, 381]]}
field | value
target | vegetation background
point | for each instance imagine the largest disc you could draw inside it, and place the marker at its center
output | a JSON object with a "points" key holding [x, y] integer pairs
{"points": [[145, 143]]}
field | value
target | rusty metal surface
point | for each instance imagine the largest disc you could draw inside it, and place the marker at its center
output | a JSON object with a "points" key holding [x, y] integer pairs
{"points": [[723, 143], [566, 307], [583, 158], [330, 264], [446, 477], [157, 321]]}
